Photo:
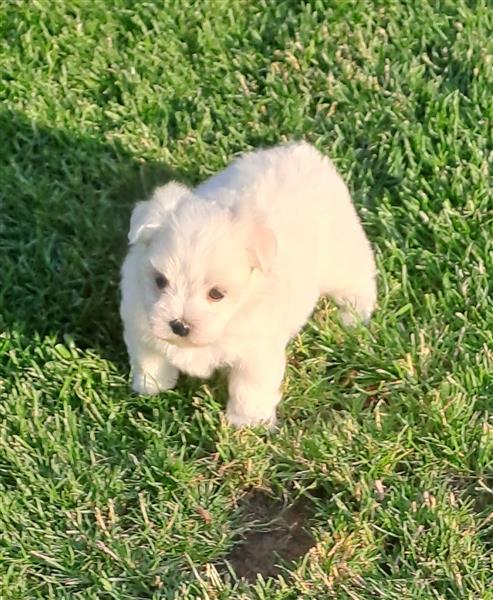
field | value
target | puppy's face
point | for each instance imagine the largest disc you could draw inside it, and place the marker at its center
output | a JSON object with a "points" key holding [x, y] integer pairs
{"points": [[195, 283], [197, 272]]}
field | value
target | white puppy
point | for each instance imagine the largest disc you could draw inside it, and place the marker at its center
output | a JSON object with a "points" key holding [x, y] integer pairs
{"points": [[225, 274]]}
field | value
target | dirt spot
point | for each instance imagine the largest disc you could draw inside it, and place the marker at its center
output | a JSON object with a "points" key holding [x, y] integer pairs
{"points": [[476, 490], [279, 536]]}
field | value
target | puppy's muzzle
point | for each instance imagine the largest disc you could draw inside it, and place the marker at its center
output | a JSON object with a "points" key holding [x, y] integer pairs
{"points": [[179, 327]]}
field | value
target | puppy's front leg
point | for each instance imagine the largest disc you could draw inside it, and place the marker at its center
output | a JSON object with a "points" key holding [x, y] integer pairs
{"points": [[151, 371], [254, 387]]}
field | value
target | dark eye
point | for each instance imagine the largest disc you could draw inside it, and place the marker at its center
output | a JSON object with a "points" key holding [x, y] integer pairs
{"points": [[161, 281], [215, 294]]}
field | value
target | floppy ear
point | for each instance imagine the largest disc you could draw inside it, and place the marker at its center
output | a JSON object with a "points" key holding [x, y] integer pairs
{"points": [[262, 244], [151, 214]]}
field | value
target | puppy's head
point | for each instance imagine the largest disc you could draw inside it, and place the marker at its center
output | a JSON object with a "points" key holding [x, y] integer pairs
{"points": [[198, 261]]}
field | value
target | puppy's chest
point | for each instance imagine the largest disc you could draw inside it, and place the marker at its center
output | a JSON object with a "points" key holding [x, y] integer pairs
{"points": [[198, 362]]}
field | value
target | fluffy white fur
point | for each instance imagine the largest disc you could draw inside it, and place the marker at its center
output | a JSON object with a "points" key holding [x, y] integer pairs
{"points": [[274, 231]]}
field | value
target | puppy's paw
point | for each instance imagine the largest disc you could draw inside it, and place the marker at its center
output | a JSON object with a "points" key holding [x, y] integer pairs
{"points": [[250, 419], [351, 317], [149, 385], [356, 311]]}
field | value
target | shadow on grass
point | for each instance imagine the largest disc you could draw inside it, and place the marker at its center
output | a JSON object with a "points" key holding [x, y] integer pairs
{"points": [[65, 205]]}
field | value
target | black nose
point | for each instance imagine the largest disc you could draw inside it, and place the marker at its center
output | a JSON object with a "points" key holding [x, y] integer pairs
{"points": [[179, 327]]}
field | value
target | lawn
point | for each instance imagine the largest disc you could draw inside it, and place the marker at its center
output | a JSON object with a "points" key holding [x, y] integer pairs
{"points": [[379, 481]]}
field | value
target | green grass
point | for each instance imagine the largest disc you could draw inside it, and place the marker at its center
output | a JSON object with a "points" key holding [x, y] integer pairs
{"points": [[389, 430]]}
